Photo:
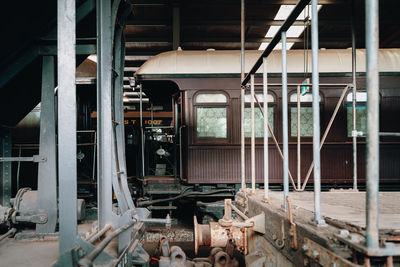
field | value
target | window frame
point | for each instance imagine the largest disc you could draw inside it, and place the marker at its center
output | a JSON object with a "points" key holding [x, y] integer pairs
{"points": [[304, 104], [226, 105], [270, 104]]}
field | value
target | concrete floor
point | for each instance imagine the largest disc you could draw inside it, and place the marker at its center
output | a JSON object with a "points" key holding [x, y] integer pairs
{"points": [[348, 206]]}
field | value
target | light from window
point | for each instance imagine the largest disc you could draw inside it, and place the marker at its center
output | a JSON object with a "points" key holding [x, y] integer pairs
{"points": [[306, 98], [260, 98], [360, 97], [211, 122], [211, 98]]}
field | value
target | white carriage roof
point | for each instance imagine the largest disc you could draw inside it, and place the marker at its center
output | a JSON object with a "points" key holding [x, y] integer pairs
{"points": [[228, 61]]}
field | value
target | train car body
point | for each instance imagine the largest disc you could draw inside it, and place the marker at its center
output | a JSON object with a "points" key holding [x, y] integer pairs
{"points": [[209, 86]]}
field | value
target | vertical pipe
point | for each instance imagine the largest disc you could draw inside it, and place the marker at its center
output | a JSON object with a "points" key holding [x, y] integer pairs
{"points": [[315, 109], [253, 139], [47, 171], [67, 124], [285, 123], [372, 46], [242, 89], [104, 112], [141, 127], [19, 166], [298, 139], [265, 91], [353, 70]]}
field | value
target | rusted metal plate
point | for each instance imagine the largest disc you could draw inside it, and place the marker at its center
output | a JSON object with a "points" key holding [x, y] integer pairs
{"points": [[324, 256]]}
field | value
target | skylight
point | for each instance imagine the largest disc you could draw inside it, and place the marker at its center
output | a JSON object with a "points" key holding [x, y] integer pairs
{"points": [[293, 31]]}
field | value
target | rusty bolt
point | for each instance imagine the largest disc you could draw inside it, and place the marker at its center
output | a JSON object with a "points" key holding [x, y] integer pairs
{"points": [[274, 237]]}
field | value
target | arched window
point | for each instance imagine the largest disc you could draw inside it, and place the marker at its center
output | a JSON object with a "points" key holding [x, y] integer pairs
{"points": [[211, 115], [361, 112], [306, 120], [258, 117]]}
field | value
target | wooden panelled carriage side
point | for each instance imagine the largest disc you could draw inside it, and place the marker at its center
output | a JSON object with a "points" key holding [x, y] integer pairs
{"points": [[209, 82]]}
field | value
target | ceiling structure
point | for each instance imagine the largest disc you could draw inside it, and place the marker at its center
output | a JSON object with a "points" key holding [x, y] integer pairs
{"points": [[157, 26]]}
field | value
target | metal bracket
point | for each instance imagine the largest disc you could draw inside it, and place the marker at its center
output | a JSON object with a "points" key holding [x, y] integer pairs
{"points": [[37, 218], [292, 229], [357, 242], [324, 256]]}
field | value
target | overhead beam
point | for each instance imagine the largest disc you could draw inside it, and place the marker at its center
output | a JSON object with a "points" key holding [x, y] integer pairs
{"points": [[17, 62], [83, 49]]}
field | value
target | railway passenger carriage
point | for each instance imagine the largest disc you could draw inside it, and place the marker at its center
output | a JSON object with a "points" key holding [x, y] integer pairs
{"points": [[208, 83]]}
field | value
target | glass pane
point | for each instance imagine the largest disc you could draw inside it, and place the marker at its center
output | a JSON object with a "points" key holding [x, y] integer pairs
{"points": [[361, 119], [260, 98], [258, 121], [306, 121], [360, 97], [307, 98], [211, 98], [211, 122]]}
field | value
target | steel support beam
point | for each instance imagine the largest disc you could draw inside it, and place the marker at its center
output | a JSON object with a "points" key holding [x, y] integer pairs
{"points": [[316, 118], [67, 124], [372, 172], [253, 138], [104, 119], [5, 171], [266, 166], [242, 96], [47, 173], [81, 49], [285, 127], [353, 70]]}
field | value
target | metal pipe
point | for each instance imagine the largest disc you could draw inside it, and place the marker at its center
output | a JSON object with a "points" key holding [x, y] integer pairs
{"points": [[95, 236], [339, 103], [315, 108], [94, 156], [88, 260], [297, 84], [141, 128], [285, 122], [18, 167], [353, 70], [266, 166], [67, 170], [239, 212], [372, 81], [253, 139], [242, 100], [389, 134], [298, 139], [9, 233]]}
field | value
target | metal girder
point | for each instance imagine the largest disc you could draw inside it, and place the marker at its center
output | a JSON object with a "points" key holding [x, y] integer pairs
{"points": [[67, 171], [16, 63], [5, 170], [81, 49], [104, 118], [47, 174]]}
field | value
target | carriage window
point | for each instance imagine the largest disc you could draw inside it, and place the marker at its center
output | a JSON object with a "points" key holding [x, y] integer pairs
{"points": [[259, 119], [361, 112], [306, 120], [211, 116]]}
